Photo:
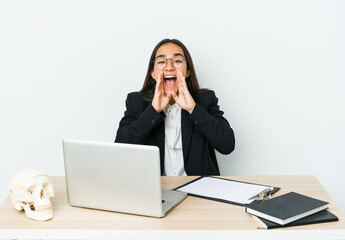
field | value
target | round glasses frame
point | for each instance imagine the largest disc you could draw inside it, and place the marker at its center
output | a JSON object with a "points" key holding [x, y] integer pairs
{"points": [[161, 63]]}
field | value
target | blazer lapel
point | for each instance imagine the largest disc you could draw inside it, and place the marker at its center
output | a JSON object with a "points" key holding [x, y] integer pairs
{"points": [[186, 131]]}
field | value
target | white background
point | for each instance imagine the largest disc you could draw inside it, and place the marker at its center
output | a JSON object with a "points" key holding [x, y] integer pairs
{"points": [[277, 68]]}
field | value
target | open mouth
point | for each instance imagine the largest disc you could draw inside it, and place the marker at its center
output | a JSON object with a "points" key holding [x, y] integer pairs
{"points": [[170, 81]]}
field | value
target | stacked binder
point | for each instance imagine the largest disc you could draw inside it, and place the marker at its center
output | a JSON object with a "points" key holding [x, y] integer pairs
{"points": [[290, 209]]}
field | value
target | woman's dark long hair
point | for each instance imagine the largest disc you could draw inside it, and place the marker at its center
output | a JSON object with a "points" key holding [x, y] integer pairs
{"points": [[149, 85]]}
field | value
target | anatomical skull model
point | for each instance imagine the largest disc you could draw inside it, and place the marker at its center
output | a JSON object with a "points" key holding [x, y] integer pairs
{"points": [[30, 190]]}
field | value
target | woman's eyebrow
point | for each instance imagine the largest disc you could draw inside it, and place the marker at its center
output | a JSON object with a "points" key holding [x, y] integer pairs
{"points": [[164, 56], [178, 54]]}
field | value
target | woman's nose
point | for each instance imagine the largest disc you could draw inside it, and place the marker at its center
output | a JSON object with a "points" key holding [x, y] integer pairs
{"points": [[170, 65]]}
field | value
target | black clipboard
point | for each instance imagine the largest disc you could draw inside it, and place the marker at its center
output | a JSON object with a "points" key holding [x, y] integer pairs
{"points": [[275, 189]]}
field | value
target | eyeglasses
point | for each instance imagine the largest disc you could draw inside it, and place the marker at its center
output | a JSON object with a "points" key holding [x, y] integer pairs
{"points": [[161, 63]]}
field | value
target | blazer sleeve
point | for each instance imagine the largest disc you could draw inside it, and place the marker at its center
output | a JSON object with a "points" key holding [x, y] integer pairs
{"points": [[208, 119], [140, 118]]}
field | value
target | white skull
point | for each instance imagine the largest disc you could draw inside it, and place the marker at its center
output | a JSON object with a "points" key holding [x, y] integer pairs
{"points": [[30, 190]]}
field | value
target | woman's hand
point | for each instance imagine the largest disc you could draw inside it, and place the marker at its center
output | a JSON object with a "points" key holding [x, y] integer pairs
{"points": [[160, 100], [183, 99]]}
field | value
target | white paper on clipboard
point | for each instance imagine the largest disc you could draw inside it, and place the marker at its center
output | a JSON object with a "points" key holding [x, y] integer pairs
{"points": [[224, 189]]}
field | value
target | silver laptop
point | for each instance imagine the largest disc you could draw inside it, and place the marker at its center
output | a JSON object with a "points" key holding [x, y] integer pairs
{"points": [[117, 177]]}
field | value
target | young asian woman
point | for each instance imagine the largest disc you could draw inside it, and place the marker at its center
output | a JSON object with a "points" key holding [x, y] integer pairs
{"points": [[172, 112]]}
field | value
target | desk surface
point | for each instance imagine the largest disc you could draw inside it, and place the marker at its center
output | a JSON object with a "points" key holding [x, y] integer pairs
{"points": [[192, 214]]}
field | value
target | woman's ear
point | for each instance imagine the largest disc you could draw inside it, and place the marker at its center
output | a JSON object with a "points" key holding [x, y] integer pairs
{"points": [[153, 74], [188, 73]]}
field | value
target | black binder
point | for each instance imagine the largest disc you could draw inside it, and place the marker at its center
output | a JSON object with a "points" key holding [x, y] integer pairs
{"points": [[287, 208], [320, 217]]}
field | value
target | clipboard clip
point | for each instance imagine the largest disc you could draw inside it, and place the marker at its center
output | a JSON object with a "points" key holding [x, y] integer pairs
{"points": [[263, 195]]}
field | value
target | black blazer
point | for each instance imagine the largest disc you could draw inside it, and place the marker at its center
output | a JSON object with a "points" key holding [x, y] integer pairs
{"points": [[202, 131]]}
